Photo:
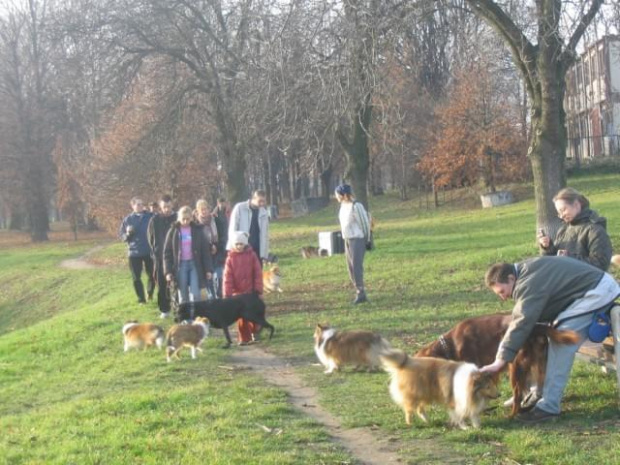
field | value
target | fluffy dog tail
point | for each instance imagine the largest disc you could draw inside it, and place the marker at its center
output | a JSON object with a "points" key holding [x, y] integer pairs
{"points": [[394, 360], [563, 336], [615, 260]]}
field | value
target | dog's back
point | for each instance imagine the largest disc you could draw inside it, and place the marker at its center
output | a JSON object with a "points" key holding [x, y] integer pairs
{"points": [[359, 348], [418, 382], [186, 335], [138, 335]]}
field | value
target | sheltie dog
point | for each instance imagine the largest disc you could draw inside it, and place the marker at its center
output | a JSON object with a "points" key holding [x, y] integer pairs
{"points": [[311, 251], [185, 335], [359, 348], [615, 260], [271, 279], [142, 335], [418, 382]]}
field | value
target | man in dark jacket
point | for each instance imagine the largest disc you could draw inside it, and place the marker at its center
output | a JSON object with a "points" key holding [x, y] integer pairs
{"points": [[157, 231], [220, 214], [560, 291], [133, 230]]}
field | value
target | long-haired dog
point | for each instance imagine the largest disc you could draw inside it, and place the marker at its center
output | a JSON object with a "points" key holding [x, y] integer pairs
{"points": [[271, 279], [222, 313], [338, 348], [311, 251], [186, 335], [477, 339], [142, 335], [419, 382]]}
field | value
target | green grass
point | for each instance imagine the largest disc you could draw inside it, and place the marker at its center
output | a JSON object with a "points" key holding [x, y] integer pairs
{"points": [[68, 394]]}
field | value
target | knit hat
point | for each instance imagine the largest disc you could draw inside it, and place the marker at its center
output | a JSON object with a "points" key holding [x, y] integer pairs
{"points": [[344, 189], [240, 237]]}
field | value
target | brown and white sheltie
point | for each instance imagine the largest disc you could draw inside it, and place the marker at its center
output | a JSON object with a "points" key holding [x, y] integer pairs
{"points": [[418, 382], [142, 335], [271, 279], [184, 335], [337, 348]]}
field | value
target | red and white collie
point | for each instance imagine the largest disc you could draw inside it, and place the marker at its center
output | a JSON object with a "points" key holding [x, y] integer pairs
{"points": [[423, 381]]}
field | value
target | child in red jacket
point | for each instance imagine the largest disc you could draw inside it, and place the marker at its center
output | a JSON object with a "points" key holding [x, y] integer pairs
{"points": [[243, 274]]}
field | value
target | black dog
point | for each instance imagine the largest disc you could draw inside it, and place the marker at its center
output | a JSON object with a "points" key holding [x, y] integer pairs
{"points": [[224, 312]]}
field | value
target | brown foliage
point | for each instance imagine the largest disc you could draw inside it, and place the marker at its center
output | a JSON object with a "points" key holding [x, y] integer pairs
{"points": [[476, 138]]}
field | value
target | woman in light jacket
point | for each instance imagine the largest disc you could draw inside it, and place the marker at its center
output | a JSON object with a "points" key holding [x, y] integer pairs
{"points": [[355, 227]]}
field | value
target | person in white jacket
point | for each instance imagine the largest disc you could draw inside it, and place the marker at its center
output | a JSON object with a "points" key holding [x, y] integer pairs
{"points": [[251, 217], [355, 227]]}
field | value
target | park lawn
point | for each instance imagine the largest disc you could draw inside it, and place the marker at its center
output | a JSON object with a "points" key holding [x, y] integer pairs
{"points": [[70, 395]]}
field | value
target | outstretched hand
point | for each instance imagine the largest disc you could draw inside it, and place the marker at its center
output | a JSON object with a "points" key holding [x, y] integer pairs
{"points": [[494, 367]]}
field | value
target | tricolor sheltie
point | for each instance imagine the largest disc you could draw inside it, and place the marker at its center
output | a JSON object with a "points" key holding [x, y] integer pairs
{"points": [[183, 335], [359, 348], [418, 382]]}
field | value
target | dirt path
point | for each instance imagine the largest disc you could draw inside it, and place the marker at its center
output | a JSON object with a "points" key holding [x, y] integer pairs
{"points": [[367, 446], [82, 263], [364, 445]]}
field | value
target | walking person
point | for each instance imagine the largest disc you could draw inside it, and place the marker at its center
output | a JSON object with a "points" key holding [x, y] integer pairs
{"points": [[157, 231], [560, 291], [204, 220], [133, 230], [582, 236], [252, 218], [186, 257], [243, 275], [355, 227], [221, 214]]}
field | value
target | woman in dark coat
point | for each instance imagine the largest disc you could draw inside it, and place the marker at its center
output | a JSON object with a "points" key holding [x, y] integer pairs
{"points": [[582, 236]]}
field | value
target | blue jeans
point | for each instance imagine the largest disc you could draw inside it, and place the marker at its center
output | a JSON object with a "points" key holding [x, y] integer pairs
{"points": [[187, 277]]}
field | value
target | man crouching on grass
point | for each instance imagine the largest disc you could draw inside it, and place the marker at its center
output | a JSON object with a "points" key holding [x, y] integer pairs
{"points": [[560, 291]]}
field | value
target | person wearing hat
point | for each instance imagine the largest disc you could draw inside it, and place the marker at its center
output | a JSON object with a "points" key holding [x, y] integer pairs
{"points": [[561, 291], [243, 274], [355, 227]]}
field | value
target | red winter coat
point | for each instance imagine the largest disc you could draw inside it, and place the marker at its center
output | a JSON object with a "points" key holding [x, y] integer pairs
{"points": [[243, 273]]}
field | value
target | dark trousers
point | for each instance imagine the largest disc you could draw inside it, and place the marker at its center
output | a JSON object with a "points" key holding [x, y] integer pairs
{"points": [[163, 299], [135, 266]]}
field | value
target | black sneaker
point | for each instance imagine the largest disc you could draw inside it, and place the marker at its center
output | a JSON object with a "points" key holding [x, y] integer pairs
{"points": [[360, 299], [536, 415]]}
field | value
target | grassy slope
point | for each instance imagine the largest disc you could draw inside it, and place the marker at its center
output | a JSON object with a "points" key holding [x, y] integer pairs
{"points": [[69, 394]]}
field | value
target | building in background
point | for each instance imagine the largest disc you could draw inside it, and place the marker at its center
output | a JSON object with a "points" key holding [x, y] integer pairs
{"points": [[592, 102]]}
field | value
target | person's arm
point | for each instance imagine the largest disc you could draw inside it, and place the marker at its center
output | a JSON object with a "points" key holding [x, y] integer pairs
{"points": [[227, 285], [150, 235], [232, 226], [122, 231], [599, 248], [258, 275], [169, 253], [362, 217]]}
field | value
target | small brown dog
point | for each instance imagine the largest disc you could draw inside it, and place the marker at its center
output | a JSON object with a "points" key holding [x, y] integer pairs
{"points": [[360, 348], [142, 335], [418, 382], [191, 336], [271, 279], [311, 251]]}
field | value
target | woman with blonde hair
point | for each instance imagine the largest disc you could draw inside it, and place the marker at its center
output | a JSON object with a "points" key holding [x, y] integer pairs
{"points": [[582, 236], [355, 227], [186, 257]]}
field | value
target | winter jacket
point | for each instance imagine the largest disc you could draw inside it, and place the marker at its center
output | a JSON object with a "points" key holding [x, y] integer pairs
{"points": [[137, 241], [243, 273], [220, 216], [585, 238], [200, 252], [544, 288], [241, 219], [354, 222], [157, 232]]}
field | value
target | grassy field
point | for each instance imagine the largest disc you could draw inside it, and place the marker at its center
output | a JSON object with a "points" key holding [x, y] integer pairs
{"points": [[68, 394]]}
